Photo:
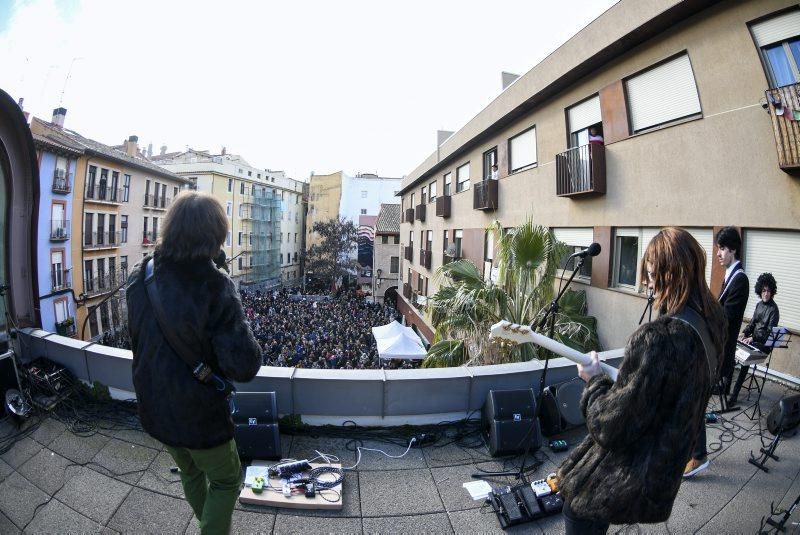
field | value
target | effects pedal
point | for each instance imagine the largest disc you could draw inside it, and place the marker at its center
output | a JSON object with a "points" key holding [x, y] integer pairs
{"points": [[712, 418], [511, 508], [552, 504], [258, 485], [558, 445], [531, 503], [552, 482], [541, 488]]}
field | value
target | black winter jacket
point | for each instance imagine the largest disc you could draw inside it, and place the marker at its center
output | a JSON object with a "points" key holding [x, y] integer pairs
{"points": [[641, 429], [203, 306], [765, 317]]}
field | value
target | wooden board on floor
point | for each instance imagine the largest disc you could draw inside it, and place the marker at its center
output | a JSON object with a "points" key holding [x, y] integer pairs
{"points": [[272, 498]]}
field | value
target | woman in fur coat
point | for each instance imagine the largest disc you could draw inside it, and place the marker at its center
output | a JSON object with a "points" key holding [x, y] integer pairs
{"points": [[643, 427]]}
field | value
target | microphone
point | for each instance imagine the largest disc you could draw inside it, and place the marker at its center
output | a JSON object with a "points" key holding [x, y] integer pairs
{"points": [[592, 250]]}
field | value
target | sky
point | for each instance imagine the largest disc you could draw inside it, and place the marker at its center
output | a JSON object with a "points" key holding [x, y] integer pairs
{"points": [[301, 86]]}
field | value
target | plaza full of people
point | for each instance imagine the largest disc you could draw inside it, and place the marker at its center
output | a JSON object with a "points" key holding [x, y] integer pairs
{"points": [[319, 332]]}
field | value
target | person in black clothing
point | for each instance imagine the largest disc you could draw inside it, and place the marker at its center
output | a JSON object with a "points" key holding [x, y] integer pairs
{"points": [[192, 418], [642, 427], [765, 317]]}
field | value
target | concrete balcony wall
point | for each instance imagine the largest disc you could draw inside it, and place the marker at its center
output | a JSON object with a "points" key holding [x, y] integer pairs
{"points": [[368, 397]]}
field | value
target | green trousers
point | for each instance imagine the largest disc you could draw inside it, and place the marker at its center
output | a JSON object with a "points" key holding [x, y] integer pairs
{"points": [[211, 480]]}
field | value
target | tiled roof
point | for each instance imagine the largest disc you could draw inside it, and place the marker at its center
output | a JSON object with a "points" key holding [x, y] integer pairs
{"points": [[388, 219], [57, 145], [72, 138]]}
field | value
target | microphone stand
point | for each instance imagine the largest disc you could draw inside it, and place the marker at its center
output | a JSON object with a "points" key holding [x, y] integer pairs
{"points": [[551, 315], [651, 297]]}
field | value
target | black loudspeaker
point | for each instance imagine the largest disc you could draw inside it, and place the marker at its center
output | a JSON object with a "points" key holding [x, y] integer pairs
{"points": [[8, 381], [561, 407], [255, 419], [785, 416], [509, 419]]}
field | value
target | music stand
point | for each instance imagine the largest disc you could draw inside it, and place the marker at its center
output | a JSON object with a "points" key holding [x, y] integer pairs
{"points": [[778, 338]]}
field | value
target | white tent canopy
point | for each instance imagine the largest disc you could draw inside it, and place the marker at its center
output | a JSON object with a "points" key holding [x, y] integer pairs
{"points": [[397, 342]]}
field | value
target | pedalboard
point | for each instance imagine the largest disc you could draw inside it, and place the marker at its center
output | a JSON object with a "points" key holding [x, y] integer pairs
{"points": [[559, 445], [520, 504]]}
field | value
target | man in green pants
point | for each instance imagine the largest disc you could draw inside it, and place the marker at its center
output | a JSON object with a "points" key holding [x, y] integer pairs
{"points": [[194, 316]]}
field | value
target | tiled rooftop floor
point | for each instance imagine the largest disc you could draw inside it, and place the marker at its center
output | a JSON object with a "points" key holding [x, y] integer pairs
{"points": [[54, 481]]}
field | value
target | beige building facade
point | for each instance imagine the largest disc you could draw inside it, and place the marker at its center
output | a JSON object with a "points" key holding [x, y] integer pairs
{"points": [[683, 96], [387, 252]]}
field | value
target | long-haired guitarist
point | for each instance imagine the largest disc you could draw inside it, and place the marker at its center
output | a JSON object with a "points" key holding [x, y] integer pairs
{"points": [[642, 429]]}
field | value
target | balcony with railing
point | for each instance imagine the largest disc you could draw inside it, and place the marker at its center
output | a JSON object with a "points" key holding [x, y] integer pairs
{"points": [[485, 195], [408, 253], [66, 327], [420, 212], [409, 216], [101, 240], [784, 126], [102, 193], [103, 283], [443, 206], [155, 202], [149, 238], [62, 181], [581, 171], [425, 258], [60, 280], [59, 229]]}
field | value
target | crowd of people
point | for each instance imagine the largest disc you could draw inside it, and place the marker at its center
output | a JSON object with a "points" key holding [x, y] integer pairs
{"points": [[318, 332]]}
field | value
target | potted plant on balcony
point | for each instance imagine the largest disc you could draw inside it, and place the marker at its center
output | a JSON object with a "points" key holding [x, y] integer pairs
{"points": [[64, 327], [466, 305]]}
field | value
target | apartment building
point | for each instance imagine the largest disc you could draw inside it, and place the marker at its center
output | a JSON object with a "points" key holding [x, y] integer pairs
{"points": [[266, 210], [694, 102], [386, 267], [116, 216]]}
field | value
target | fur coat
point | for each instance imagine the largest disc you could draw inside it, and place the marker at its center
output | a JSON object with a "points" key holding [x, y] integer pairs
{"points": [[641, 429], [203, 306]]}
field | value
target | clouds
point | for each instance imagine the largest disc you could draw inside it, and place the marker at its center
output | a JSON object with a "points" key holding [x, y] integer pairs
{"points": [[300, 86]]}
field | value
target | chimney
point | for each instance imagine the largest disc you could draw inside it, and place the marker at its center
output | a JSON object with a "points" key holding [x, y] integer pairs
{"points": [[149, 150], [58, 117], [132, 146], [508, 78], [223, 151], [441, 136], [163, 150], [22, 109]]}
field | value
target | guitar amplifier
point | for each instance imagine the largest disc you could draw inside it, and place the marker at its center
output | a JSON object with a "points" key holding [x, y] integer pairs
{"points": [[255, 419]]}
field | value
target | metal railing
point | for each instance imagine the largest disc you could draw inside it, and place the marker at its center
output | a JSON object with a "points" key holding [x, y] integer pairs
{"points": [[485, 195], [408, 253], [59, 229], [785, 129], [425, 258], [156, 202], [103, 283], [99, 240], [409, 215], [149, 238], [102, 193], [66, 327], [62, 181], [581, 171], [420, 212], [60, 280], [443, 206]]}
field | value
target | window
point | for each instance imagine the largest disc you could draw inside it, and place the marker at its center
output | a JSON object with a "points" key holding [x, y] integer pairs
{"points": [[57, 269], [394, 266], [87, 229], [363, 211], [101, 224], [163, 195], [112, 228], [411, 238], [488, 246], [576, 239], [448, 184], [114, 185], [155, 228], [147, 193], [384, 239], [295, 236], [90, 181], [288, 258], [241, 188], [432, 192], [123, 225], [489, 159], [522, 150], [778, 41], [104, 319], [240, 263], [409, 276], [249, 173], [123, 266], [228, 208], [240, 238], [88, 280], [462, 178], [93, 329], [363, 194], [126, 188], [412, 205], [421, 284], [580, 118], [446, 241], [429, 244], [458, 235], [156, 195], [230, 185], [775, 251], [424, 196], [228, 239], [662, 94], [626, 258], [397, 239]]}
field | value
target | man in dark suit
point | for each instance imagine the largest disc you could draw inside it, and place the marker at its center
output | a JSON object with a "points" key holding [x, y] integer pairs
{"points": [[733, 297]]}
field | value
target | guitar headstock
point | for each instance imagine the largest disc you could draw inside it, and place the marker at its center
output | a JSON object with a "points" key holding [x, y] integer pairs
{"points": [[505, 331]]}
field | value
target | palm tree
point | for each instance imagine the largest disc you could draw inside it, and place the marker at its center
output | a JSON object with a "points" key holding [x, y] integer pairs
{"points": [[466, 305]]}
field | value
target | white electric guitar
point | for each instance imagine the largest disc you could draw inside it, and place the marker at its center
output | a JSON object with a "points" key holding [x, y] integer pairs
{"points": [[521, 334]]}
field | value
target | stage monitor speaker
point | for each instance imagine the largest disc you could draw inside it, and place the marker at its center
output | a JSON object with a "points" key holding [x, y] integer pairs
{"points": [[785, 416], [255, 418], [9, 379], [509, 420], [561, 407]]}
